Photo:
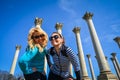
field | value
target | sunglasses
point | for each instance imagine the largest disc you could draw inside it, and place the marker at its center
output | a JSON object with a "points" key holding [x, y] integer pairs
{"points": [[38, 36], [55, 37]]}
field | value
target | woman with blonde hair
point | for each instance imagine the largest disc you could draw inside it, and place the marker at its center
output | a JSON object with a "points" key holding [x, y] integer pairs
{"points": [[32, 61]]}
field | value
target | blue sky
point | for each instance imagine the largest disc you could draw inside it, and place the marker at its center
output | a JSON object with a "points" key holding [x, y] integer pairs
{"points": [[17, 17]]}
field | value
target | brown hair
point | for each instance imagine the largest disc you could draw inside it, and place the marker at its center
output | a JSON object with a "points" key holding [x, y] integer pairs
{"points": [[61, 36]]}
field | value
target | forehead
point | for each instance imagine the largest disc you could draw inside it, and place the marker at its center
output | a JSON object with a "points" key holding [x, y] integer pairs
{"points": [[36, 33], [55, 34]]}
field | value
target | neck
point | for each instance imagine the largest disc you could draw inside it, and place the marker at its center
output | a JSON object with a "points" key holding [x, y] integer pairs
{"points": [[57, 48]]}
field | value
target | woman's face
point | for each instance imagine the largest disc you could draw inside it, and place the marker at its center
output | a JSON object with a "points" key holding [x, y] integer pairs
{"points": [[56, 40], [38, 38]]}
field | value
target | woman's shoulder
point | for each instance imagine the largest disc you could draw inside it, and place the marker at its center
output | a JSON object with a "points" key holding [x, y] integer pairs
{"points": [[65, 47], [45, 50]]}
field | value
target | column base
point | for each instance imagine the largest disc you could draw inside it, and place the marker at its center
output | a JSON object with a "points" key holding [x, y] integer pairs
{"points": [[11, 77], [107, 75], [85, 78]]}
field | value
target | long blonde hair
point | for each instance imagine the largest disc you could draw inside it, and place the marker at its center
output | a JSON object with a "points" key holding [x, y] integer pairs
{"points": [[31, 42]]}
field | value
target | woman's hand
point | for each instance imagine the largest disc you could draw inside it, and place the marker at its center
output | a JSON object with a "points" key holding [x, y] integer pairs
{"points": [[69, 79], [34, 69]]}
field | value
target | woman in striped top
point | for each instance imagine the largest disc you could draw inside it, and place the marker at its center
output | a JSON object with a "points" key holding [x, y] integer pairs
{"points": [[62, 56]]}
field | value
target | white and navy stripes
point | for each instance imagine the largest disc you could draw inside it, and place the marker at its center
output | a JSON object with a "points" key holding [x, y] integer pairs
{"points": [[62, 63]]}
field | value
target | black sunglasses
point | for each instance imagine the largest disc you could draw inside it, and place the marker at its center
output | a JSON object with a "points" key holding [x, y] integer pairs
{"points": [[55, 37], [38, 36]]}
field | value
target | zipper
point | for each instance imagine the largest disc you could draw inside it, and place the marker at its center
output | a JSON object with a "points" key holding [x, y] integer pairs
{"points": [[60, 64]]}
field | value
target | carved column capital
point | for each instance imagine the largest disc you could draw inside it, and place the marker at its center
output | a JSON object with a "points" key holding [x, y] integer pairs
{"points": [[18, 47], [112, 59], [113, 54], [38, 21], [117, 40], [87, 15], [76, 30], [88, 55], [58, 26]]}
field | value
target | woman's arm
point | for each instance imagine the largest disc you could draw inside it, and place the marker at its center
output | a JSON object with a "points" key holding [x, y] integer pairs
{"points": [[29, 54], [75, 62], [25, 58]]}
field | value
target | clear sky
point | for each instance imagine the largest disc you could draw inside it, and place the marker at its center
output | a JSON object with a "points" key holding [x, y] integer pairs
{"points": [[17, 17]]}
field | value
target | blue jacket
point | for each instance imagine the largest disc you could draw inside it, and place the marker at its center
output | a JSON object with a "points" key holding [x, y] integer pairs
{"points": [[32, 58]]}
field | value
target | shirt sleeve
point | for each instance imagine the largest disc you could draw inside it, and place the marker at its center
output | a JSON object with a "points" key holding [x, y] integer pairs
{"points": [[73, 58], [29, 54]]}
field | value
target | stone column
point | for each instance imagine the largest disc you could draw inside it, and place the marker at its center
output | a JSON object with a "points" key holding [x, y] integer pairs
{"points": [[116, 61], [45, 65], [9, 77], [91, 67], [71, 69], [84, 72], [38, 22], [107, 60], [117, 40], [15, 60], [58, 27], [98, 62], [116, 68], [105, 73]]}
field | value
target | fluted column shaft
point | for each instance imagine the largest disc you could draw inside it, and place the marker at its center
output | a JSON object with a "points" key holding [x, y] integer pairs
{"points": [[116, 61], [71, 69], [91, 67], [98, 62], [84, 73], [96, 43], [12, 70], [116, 68], [45, 65], [107, 61]]}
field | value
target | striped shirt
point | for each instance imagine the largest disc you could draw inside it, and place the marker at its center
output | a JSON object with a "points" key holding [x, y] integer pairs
{"points": [[62, 63]]}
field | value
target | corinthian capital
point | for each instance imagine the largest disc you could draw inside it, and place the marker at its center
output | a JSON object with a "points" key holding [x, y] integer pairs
{"points": [[87, 15], [38, 21]]}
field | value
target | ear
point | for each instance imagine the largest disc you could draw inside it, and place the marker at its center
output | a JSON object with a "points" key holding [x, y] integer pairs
{"points": [[62, 40]]}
